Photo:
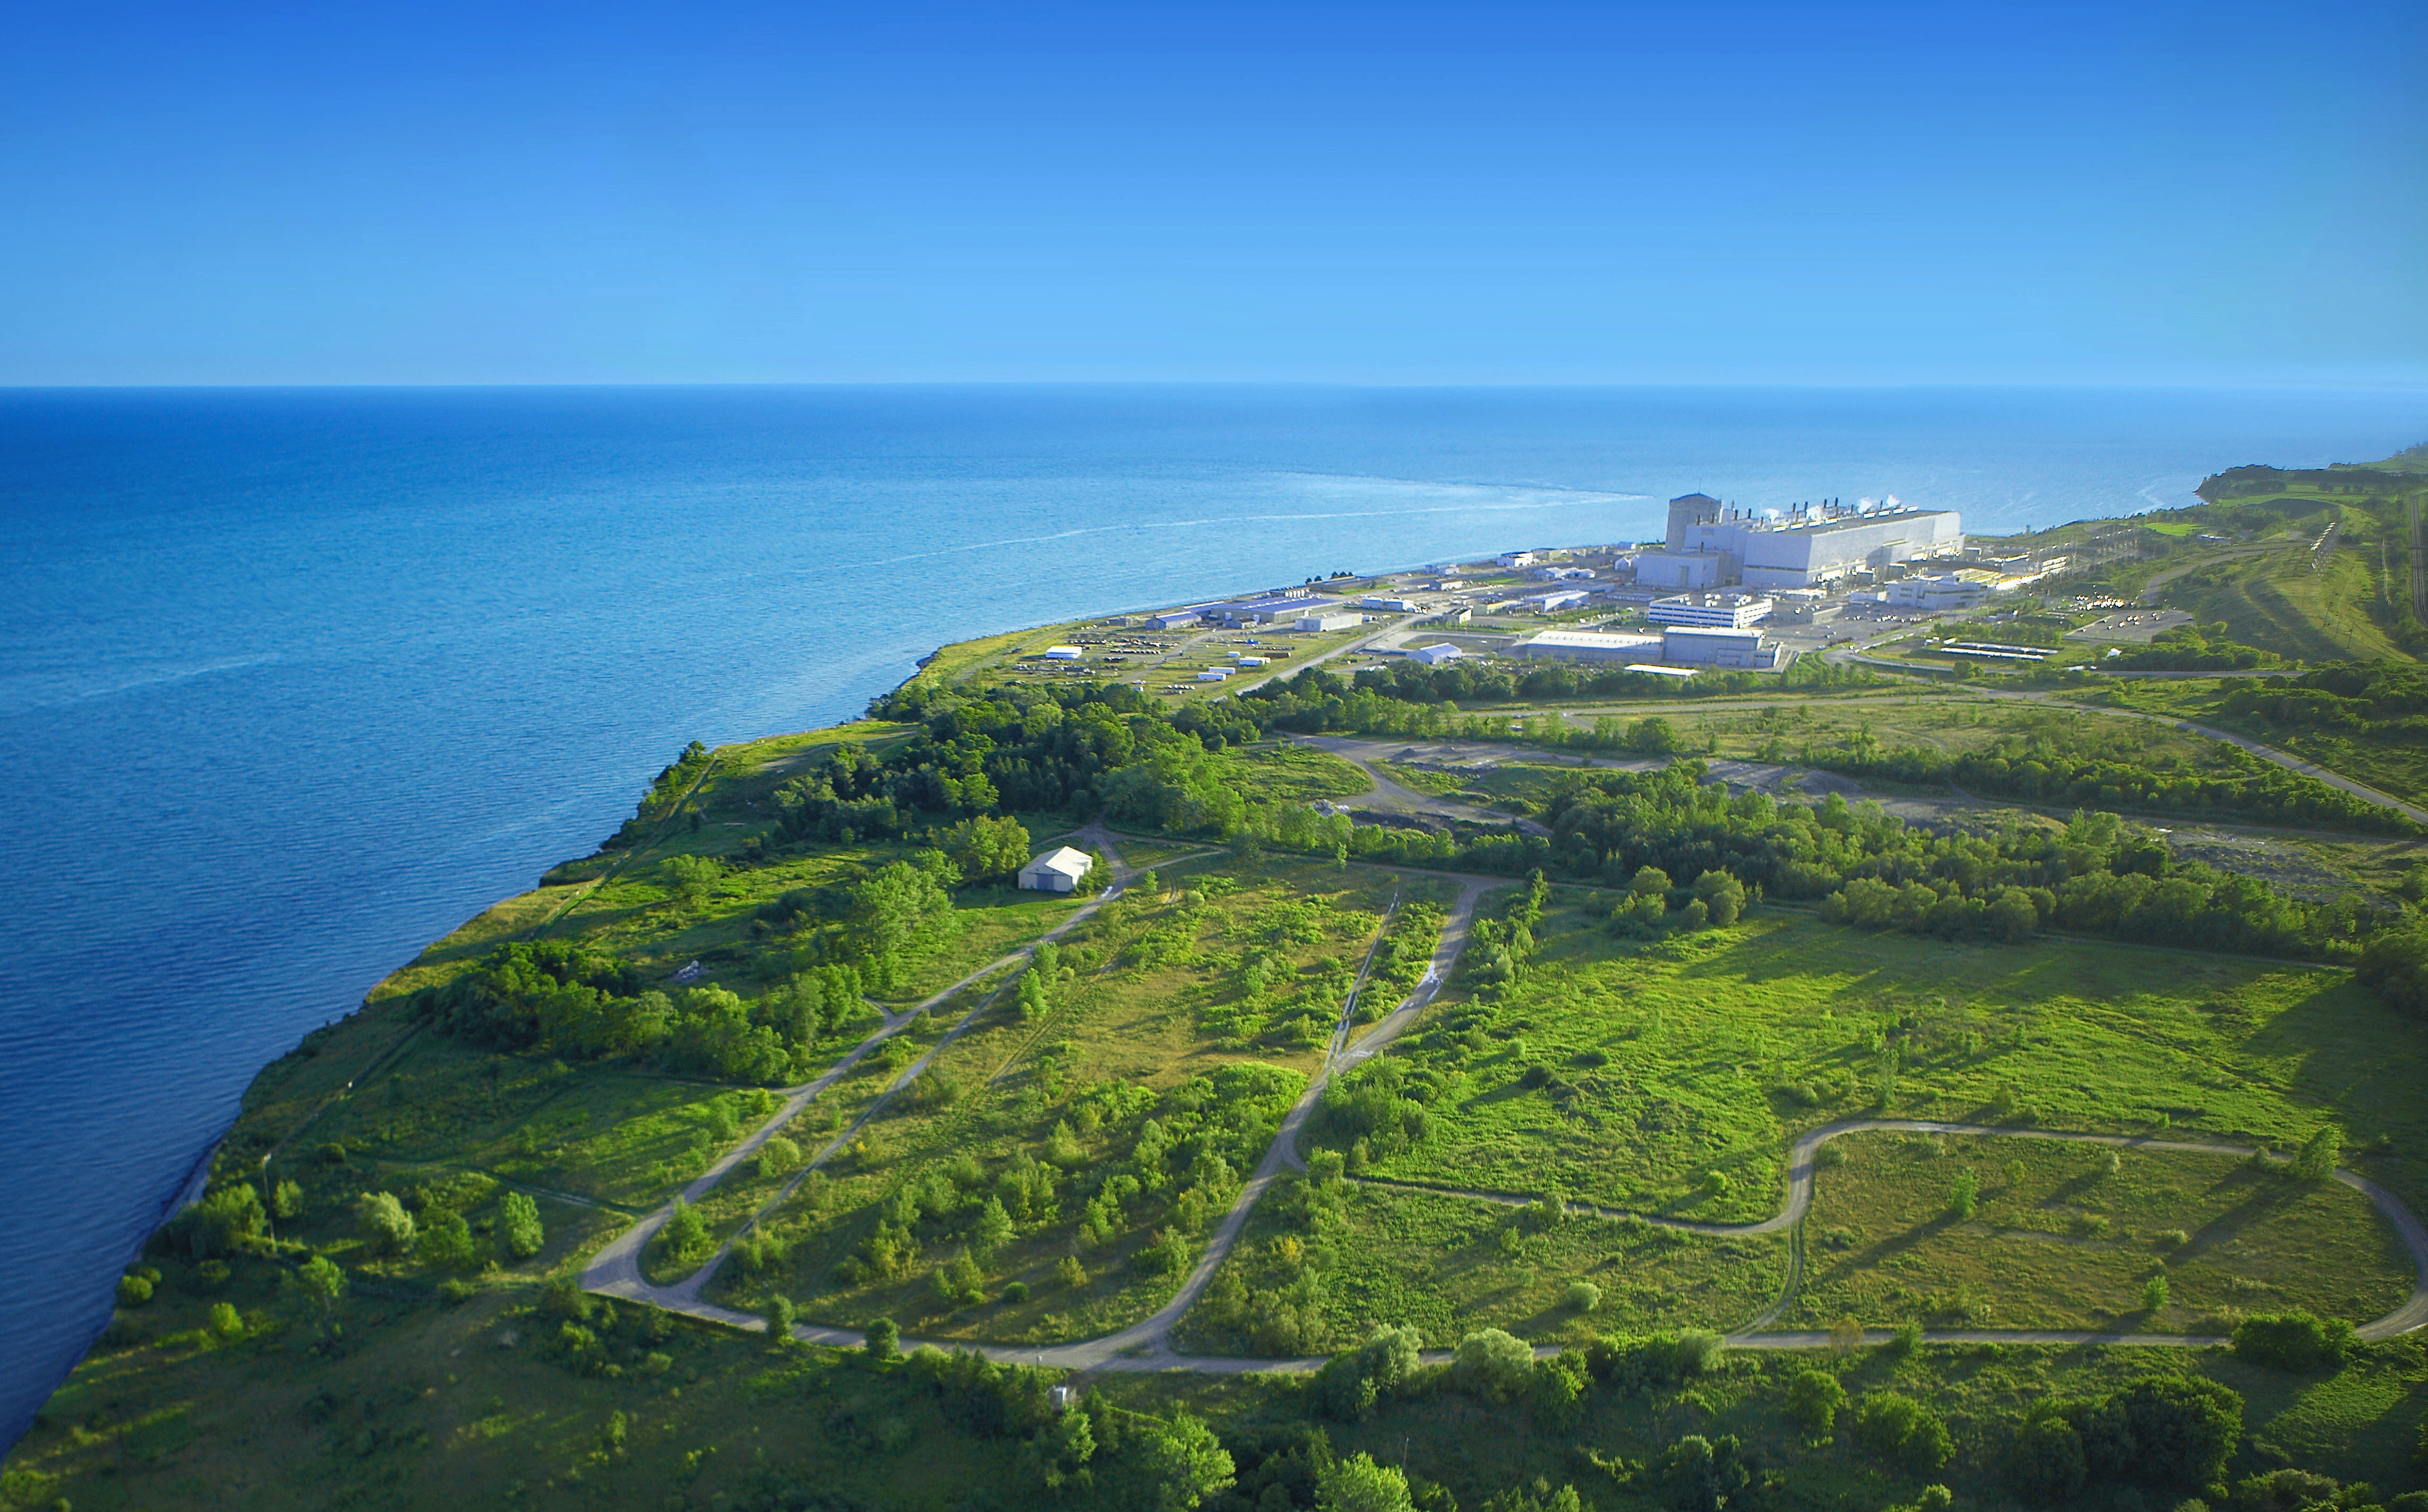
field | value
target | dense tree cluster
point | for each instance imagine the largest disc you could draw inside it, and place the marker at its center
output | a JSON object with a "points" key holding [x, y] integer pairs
{"points": [[576, 1002], [1069, 750], [2292, 1341], [2091, 877], [2359, 698], [2190, 648], [534, 992], [1315, 701], [2163, 1431], [2394, 965]]}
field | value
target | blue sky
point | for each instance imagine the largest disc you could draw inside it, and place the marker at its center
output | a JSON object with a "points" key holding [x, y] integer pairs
{"points": [[1491, 193]]}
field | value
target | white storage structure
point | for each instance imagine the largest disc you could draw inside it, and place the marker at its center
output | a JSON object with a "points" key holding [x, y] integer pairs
{"points": [[1057, 871]]}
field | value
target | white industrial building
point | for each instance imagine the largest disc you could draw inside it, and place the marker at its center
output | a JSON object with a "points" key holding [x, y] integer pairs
{"points": [[1436, 655], [1063, 653], [1936, 592], [1057, 871], [1312, 624], [1676, 570], [1720, 646], [1516, 559], [1178, 619], [1591, 646], [1712, 545], [1557, 598], [1731, 610]]}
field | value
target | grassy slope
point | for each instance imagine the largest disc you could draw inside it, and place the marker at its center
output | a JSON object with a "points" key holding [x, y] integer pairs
{"points": [[1706, 1034], [1131, 1013], [2277, 603], [421, 1403], [2059, 1241], [2391, 763]]}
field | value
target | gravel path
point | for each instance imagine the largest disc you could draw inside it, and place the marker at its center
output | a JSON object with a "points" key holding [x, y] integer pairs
{"points": [[615, 1270], [2411, 1315]]}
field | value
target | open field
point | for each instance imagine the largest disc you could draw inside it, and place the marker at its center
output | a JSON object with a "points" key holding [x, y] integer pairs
{"points": [[2057, 1239], [608, 1135], [1313, 1276], [1629, 1074], [2279, 602]]}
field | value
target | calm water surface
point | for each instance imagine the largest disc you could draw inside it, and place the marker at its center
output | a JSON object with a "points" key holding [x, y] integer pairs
{"points": [[293, 682]]}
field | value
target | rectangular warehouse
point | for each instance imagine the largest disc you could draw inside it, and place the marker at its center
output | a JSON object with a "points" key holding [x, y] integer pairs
{"points": [[1729, 610], [1592, 646], [1714, 646]]}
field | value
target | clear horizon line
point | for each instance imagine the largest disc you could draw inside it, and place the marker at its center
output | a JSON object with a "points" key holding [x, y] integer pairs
{"points": [[2383, 385]]}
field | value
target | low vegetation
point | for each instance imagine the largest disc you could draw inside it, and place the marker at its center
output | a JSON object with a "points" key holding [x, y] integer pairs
{"points": [[378, 1299]]}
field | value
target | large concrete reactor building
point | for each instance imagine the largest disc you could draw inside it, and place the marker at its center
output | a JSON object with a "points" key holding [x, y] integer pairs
{"points": [[1710, 544]]}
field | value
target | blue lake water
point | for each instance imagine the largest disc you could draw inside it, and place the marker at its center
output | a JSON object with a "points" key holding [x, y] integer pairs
{"points": [[293, 682]]}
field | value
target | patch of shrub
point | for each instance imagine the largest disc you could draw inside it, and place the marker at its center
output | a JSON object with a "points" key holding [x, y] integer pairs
{"points": [[2292, 1341], [1493, 1364], [1903, 1432]]}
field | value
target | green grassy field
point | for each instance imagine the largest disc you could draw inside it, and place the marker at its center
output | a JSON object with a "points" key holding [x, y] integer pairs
{"points": [[1387, 1254], [1663, 1064], [2059, 1240]]}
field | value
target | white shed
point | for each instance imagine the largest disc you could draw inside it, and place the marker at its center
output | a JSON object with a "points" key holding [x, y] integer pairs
{"points": [[1057, 871]]}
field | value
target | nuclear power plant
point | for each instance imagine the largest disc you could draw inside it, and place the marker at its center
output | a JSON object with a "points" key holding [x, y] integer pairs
{"points": [[1712, 545]]}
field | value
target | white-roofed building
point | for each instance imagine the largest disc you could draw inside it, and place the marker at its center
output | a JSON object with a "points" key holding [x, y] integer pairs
{"points": [[1436, 655], [1720, 646], [1059, 870], [1729, 611], [1591, 646], [1558, 599]]}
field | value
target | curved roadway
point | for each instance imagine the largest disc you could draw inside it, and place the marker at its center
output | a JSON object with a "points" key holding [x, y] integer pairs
{"points": [[615, 1269]]}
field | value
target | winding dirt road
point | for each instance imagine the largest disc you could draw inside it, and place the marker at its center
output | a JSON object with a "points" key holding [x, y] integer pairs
{"points": [[1388, 795], [615, 1270], [1801, 1182]]}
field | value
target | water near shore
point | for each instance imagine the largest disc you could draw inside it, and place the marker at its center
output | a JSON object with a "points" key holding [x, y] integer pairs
{"points": [[291, 682]]}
